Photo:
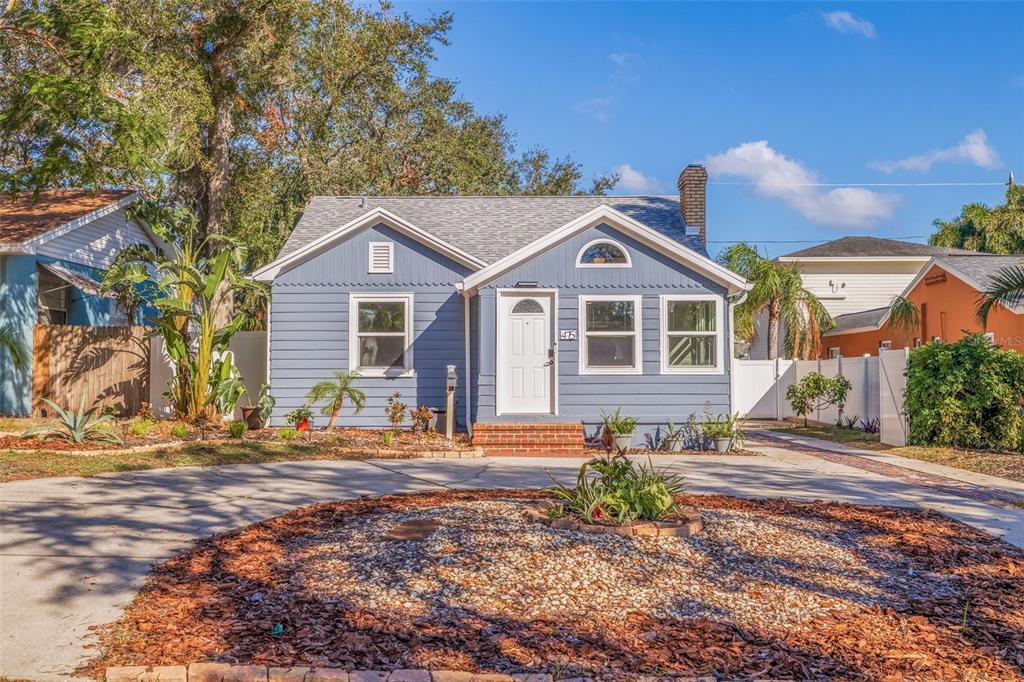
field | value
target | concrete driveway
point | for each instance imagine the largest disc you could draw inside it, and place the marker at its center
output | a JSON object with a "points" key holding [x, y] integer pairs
{"points": [[73, 551]]}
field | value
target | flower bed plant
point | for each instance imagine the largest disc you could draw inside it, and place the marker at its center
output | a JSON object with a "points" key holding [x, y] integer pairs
{"points": [[617, 491]]}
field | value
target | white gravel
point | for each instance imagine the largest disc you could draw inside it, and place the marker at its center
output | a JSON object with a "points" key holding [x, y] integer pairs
{"points": [[748, 569]]}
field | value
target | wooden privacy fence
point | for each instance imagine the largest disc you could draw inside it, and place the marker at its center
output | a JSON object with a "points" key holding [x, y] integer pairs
{"points": [[107, 365]]}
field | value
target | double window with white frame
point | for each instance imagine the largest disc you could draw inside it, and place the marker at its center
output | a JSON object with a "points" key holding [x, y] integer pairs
{"points": [[611, 342], [692, 334], [380, 334]]}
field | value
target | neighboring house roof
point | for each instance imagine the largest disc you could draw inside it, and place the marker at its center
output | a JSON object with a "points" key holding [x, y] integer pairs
{"points": [[488, 228], [860, 320], [976, 269], [871, 247], [24, 220]]}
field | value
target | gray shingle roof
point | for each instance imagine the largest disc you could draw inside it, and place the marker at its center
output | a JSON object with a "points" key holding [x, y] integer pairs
{"points": [[867, 247], [861, 318], [488, 227], [980, 268]]}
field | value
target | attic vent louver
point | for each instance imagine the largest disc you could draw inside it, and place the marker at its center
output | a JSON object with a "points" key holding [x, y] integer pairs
{"points": [[382, 258]]}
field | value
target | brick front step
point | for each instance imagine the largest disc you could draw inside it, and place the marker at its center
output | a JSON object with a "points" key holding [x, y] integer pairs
{"points": [[524, 439], [222, 672]]}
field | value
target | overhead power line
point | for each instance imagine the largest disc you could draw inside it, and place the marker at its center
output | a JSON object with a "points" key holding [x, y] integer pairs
{"points": [[862, 184], [797, 241]]}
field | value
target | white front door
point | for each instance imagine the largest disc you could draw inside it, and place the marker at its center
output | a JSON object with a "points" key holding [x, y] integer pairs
{"points": [[526, 353]]}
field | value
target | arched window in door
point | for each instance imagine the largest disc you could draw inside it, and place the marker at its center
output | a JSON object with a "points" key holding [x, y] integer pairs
{"points": [[528, 306]]}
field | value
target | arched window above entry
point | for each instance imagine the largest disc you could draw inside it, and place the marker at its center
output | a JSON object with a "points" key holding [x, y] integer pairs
{"points": [[603, 253], [528, 306]]}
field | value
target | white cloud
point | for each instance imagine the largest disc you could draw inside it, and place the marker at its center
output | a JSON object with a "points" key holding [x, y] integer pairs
{"points": [[974, 148], [776, 176], [844, 22], [598, 107], [632, 180]]}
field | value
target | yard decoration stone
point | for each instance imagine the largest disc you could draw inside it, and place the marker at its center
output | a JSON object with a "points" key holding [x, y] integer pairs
{"points": [[141, 673], [410, 676], [289, 674], [770, 589], [327, 675]]}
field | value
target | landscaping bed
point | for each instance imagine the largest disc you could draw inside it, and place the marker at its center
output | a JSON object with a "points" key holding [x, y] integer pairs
{"points": [[464, 580]]}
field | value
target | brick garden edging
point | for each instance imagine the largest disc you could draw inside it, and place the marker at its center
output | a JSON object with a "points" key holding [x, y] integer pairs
{"points": [[222, 672]]}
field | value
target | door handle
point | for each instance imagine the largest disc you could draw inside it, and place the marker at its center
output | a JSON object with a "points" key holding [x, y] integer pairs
{"points": [[551, 357]]}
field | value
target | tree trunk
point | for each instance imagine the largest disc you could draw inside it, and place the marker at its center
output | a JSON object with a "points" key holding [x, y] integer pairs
{"points": [[773, 330], [218, 177], [334, 416]]}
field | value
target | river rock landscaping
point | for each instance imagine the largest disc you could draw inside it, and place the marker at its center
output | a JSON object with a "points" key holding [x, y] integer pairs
{"points": [[768, 589]]}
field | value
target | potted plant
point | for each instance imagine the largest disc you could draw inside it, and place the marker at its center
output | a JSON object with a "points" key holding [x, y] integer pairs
{"points": [[675, 438], [256, 416], [724, 430], [621, 428], [301, 418]]}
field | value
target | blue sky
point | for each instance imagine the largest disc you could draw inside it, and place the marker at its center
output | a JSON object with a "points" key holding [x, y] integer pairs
{"points": [[772, 95]]}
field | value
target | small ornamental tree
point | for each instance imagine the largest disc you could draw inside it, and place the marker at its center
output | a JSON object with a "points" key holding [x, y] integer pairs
{"points": [[817, 392], [966, 394]]}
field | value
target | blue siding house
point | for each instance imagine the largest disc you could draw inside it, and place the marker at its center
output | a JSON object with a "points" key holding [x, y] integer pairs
{"points": [[551, 309], [54, 249]]}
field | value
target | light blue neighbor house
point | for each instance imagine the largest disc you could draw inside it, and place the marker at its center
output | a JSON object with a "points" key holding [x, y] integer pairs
{"points": [[54, 249], [551, 309]]}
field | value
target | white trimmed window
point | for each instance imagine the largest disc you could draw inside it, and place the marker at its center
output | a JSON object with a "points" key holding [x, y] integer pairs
{"points": [[380, 334], [603, 253], [611, 335], [885, 345], [833, 352], [381, 258], [692, 334]]}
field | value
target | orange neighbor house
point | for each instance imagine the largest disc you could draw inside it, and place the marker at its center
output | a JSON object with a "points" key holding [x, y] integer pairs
{"points": [[946, 294]]}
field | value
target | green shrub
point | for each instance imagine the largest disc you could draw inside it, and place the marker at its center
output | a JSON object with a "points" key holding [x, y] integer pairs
{"points": [[817, 392], [621, 491], [619, 425], [237, 428], [287, 433], [180, 431], [965, 394], [140, 427]]}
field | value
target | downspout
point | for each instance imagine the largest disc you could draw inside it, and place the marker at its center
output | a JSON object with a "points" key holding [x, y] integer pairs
{"points": [[733, 302], [467, 381]]}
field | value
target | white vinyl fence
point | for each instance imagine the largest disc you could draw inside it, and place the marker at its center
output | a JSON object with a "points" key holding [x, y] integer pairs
{"points": [[249, 349], [877, 389]]}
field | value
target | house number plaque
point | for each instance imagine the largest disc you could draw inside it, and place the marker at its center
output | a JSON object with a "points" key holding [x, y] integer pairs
{"points": [[567, 335]]}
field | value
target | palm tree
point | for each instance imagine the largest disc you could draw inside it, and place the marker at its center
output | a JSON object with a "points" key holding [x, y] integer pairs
{"points": [[14, 343], [1006, 289], [904, 316], [335, 391], [779, 290]]}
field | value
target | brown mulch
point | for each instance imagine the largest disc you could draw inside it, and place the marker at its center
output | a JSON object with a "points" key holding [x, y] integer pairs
{"points": [[225, 598], [51, 444]]}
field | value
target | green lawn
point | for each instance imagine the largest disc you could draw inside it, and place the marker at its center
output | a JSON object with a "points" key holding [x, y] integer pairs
{"points": [[22, 464]]}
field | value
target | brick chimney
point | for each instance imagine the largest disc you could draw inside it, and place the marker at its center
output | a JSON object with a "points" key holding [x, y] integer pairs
{"points": [[693, 199]]}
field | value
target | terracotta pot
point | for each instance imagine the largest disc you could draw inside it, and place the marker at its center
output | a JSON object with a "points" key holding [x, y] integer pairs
{"points": [[251, 415]]}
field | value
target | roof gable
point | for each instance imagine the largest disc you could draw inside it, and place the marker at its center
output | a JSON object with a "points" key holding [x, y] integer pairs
{"points": [[607, 215], [53, 212], [376, 216]]}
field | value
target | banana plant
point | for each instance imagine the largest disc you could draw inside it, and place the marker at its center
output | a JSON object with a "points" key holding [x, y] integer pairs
{"points": [[195, 287]]}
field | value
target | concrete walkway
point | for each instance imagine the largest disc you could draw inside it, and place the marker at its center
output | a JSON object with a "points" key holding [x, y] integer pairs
{"points": [[73, 551]]}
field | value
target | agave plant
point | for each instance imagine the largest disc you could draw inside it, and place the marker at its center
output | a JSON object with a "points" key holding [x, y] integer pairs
{"points": [[76, 427]]}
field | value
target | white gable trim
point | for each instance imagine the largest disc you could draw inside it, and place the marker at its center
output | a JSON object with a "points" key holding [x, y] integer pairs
{"points": [[374, 217], [605, 214]]}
